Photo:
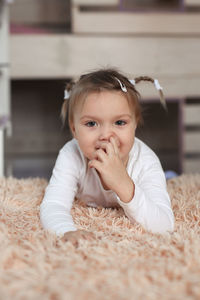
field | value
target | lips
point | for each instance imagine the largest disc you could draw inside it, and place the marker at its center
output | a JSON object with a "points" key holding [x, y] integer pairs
{"points": [[102, 146], [97, 148], [99, 144]]}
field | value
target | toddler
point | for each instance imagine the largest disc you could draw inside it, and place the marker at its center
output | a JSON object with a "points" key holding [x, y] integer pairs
{"points": [[105, 164]]}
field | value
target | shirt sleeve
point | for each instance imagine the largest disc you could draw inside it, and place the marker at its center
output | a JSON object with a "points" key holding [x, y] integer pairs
{"points": [[151, 205], [59, 195]]}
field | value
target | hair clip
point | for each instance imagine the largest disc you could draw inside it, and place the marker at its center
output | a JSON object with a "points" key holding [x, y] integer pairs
{"points": [[157, 85], [66, 94], [162, 98], [132, 81], [123, 87]]}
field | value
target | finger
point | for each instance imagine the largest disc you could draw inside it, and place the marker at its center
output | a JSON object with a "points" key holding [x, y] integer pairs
{"points": [[114, 144], [100, 155], [90, 235], [95, 164], [86, 236], [108, 147], [64, 238], [68, 235], [83, 233], [103, 145], [74, 242]]}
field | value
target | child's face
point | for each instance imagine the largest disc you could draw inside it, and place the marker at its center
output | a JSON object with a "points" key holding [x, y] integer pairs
{"points": [[103, 115]]}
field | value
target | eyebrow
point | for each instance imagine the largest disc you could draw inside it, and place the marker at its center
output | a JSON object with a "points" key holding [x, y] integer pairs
{"points": [[116, 117]]}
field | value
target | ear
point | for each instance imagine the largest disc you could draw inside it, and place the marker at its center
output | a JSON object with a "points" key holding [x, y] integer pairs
{"points": [[72, 128], [135, 124]]}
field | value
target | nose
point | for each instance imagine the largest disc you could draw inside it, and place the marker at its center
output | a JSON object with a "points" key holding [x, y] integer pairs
{"points": [[105, 133]]}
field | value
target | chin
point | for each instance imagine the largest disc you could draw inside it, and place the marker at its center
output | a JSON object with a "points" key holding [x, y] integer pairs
{"points": [[88, 156]]}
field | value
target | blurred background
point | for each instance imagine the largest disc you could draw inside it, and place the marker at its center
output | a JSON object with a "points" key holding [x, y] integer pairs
{"points": [[45, 43]]}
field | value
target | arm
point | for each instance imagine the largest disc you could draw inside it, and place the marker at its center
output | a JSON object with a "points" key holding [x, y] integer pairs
{"points": [[143, 198], [59, 195], [151, 205]]}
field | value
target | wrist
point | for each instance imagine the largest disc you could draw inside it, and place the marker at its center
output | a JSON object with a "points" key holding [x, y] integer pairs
{"points": [[126, 191]]}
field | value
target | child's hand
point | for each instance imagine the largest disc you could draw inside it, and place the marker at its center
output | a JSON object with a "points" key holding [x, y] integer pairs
{"points": [[75, 236], [112, 170]]}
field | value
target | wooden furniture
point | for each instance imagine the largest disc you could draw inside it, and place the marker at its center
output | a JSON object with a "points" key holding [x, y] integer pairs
{"points": [[162, 44], [132, 22], [4, 80], [192, 135], [192, 3]]}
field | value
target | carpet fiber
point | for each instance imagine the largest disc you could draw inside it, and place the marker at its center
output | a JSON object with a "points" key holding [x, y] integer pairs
{"points": [[123, 261]]}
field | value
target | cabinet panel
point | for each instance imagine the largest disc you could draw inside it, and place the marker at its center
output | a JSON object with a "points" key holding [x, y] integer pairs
{"points": [[135, 23], [191, 165], [162, 132], [37, 129], [4, 92], [192, 2], [174, 61], [96, 2], [192, 142], [39, 11], [160, 44], [69, 55], [4, 52], [192, 114]]}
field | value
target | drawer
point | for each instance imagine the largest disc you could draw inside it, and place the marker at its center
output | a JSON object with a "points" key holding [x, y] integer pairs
{"points": [[135, 23], [70, 55], [4, 31], [192, 165], [192, 3], [4, 92], [96, 2], [192, 142], [192, 114]]}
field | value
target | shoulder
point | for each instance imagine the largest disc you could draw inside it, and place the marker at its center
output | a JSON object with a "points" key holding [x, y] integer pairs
{"points": [[71, 146], [71, 152], [144, 164], [142, 159], [143, 152]]}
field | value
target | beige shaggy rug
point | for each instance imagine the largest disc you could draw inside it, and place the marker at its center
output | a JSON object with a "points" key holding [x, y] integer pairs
{"points": [[122, 262]]}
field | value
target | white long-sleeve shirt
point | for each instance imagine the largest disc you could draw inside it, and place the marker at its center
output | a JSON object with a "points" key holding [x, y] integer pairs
{"points": [[150, 206]]}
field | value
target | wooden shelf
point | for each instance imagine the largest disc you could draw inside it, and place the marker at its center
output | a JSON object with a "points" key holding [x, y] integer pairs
{"points": [[192, 2], [192, 136], [96, 2], [164, 45], [136, 23], [70, 55], [192, 115], [4, 81]]}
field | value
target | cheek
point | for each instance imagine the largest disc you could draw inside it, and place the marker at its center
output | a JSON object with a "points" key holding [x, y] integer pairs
{"points": [[86, 142], [127, 140], [128, 135]]}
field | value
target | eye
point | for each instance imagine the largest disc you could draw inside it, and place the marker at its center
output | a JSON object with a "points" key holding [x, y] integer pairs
{"points": [[120, 122], [91, 124]]}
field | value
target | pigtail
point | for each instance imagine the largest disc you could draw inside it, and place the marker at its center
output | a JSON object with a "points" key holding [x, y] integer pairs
{"points": [[65, 105], [63, 113], [157, 85], [162, 99]]}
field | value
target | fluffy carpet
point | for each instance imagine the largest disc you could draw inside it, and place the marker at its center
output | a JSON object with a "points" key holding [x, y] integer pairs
{"points": [[123, 261]]}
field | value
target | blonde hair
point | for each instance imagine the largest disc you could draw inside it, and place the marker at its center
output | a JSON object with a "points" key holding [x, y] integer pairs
{"points": [[98, 81]]}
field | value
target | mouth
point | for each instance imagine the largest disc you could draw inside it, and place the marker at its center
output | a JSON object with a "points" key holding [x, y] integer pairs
{"points": [[97, 148]]}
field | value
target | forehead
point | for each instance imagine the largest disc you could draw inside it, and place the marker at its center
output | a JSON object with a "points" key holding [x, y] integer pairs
{"points": [[101, 102]]}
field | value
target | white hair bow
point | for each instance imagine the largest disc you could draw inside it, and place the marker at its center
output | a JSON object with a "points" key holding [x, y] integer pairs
{"points": [[66, 94]]}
